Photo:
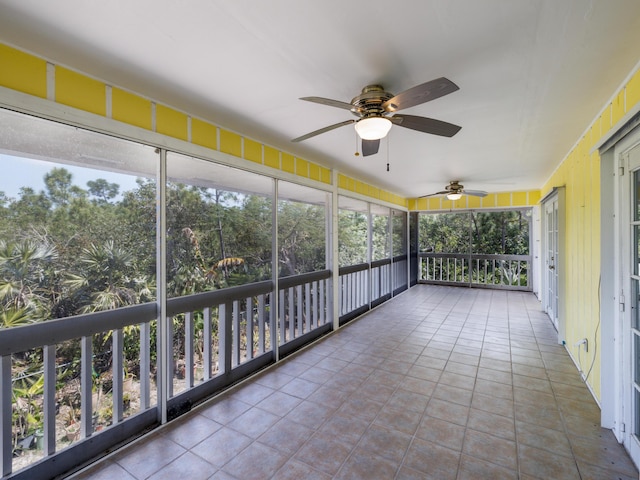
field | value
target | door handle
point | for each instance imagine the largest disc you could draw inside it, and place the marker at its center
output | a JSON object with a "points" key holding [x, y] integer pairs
{"points": [[552, 267]]}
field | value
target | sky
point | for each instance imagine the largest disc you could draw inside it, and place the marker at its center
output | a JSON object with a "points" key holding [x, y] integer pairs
{"points": [[18, 172]]}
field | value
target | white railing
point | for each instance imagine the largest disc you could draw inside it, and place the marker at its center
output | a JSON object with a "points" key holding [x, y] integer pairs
{"points": [[476, 270], [214, 339], [400, 273], [354, 289], [365, 285]]}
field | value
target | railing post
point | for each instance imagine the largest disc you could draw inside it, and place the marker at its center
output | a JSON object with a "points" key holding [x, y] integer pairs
{"points": [[117, 374], [249, 327], [235, 335], [49, 405], [145, 365], [5, 415], [292, 312], [304, 323], [86, 386], [206, 337], [225, 338], [281, 307], [261, 326], [188, 349]]}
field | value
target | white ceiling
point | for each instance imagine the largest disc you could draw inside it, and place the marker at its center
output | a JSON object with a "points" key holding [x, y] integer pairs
{"points": [[533, 74]]}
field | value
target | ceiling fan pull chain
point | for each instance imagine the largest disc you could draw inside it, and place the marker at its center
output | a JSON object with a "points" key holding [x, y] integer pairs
{"points": [[388, 140], [357, 154]]}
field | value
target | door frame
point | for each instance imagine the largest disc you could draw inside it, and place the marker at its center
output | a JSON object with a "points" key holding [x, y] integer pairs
{"points": [[556, 195], [623, 350]]}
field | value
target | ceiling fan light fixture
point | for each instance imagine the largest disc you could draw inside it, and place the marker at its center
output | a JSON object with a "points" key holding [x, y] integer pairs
{"points": [[373, 128], [454, 196]]}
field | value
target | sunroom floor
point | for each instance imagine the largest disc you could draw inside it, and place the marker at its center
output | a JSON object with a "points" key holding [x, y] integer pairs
{"points": [[438, 383]]}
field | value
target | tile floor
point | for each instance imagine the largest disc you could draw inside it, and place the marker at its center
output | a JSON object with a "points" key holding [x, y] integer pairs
{"points": [[439, 383]]}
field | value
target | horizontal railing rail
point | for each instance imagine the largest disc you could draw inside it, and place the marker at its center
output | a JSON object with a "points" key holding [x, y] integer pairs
{"points": [[216, 297], [51, 332], [359, 267], [477, 270]]}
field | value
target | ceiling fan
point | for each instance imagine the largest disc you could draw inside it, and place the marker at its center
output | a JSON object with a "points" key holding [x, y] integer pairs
{"points": [[455, 190], [375, 110]]}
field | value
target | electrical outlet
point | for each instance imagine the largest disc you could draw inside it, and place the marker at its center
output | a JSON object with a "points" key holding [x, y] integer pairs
{"points": [[584, 342]]}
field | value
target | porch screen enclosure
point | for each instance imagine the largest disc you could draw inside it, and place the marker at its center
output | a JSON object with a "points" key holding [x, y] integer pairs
{"points": [[136, 281], [489, 249]]}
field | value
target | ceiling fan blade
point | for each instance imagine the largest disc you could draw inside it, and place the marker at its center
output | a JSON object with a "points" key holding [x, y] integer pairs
{"points": [[370, 147], [434, 194], [426, 125], [322, 130], [420, 94], [329, 102], [475, 193]]}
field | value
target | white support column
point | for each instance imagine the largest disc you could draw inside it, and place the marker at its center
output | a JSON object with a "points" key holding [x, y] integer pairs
{"points": [[164, 354], [335, 298], [274, 300]]}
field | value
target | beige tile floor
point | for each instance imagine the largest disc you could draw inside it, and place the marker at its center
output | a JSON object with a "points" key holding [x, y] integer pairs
{"points": [[439, 383]]}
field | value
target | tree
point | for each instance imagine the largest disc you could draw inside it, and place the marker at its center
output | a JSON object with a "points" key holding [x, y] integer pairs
{"points": [[301, 237], [59, 186], [26, 280], [103, 190], [352, 237]]}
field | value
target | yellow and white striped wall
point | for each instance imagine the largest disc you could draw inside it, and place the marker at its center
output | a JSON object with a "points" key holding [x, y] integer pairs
{"points": [[493, 200], [32, 75]]}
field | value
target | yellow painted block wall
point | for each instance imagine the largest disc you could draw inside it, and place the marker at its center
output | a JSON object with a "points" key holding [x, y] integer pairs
{"points": [[28, 74], [23, 72], [170, 122], [80, 91], [492, 200], [203, 133], [130, 108]]}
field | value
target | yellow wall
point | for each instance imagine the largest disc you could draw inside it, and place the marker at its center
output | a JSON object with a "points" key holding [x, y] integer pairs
{"points": [[493, 200], [579, 172]]}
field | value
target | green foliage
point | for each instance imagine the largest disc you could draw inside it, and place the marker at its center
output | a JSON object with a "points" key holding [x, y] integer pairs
{"points": [[69, 250], [352, 237], [490, 232], [301, 237]]}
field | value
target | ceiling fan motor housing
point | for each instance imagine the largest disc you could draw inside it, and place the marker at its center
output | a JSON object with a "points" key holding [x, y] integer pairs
{"points": [[454, 187], [369, 102]]}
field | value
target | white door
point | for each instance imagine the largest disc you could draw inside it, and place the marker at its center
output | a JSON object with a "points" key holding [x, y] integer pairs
{"points": [[551, 259], [630, 300]]}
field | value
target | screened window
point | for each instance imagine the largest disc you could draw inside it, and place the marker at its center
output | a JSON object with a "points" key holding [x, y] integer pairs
{"points": [[218, 226], [353, 227], [380, 233], [399, 232], [73, 202], [302, 229]]}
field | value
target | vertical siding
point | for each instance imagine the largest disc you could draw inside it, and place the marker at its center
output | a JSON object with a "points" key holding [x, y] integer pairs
{"points": [[579, 172]]}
